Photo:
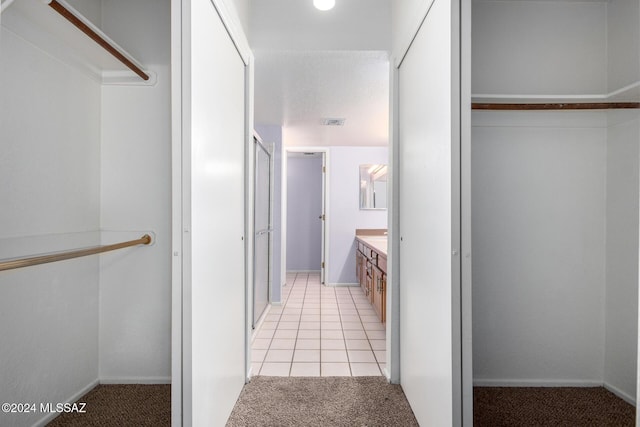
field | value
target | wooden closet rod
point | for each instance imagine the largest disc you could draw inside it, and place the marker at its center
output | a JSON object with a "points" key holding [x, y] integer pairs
{"points": [[97, 38], [558, 106], [60, 256]]}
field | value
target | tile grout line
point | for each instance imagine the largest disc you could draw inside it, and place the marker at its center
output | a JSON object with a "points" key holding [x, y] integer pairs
{"points": [[318, 288], [360, 320], [295, 342], [366, 334], [264, 360], [344, 339]]}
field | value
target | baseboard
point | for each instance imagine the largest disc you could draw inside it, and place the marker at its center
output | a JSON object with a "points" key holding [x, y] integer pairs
{"points": [[385, 372], [621, 394], [276, 303], [535, 383], [136, 380], [260, 321], [303, 271], [344, 285], [50, 416]]}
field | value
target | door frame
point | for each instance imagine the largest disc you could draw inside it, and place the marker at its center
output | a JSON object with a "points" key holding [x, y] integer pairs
{"points": [[327, 219]]}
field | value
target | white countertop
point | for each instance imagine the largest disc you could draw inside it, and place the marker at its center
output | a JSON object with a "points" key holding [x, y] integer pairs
{"points": [[379, 243]]}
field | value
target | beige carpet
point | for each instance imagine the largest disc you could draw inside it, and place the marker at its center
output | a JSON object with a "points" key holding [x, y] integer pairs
{"points": [[550, 406], [122, 406], [327, 402], [354, 401]]}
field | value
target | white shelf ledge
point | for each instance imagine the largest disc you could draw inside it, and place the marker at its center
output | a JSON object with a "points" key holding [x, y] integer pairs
{"points": [[46, 24], [629, 93]]}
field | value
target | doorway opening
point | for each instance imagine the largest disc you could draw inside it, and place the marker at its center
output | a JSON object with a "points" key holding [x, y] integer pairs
{"points": [[304, 212], [334, 102]]}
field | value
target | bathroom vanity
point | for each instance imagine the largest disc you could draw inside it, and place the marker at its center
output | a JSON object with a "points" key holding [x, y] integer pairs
{"points": [[371, 267]]}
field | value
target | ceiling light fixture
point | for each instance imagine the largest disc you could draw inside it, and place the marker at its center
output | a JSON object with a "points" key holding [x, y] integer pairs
{"points": [[324, 4]]}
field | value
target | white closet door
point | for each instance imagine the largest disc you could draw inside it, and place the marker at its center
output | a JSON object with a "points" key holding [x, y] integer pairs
{"points": [[430, 219], [214, 218]]}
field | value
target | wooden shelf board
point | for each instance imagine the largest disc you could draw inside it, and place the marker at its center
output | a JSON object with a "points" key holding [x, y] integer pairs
{"points": [[555, 106]]}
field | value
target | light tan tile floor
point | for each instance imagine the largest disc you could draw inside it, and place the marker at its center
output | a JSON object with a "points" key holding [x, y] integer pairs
{"points": [[319, 331]]}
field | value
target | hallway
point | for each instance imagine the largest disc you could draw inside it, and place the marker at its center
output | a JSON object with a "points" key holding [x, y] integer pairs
{"points": [[319, 331]]}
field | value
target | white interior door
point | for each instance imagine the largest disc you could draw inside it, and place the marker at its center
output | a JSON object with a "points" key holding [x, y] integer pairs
{"points": [[323, 222], [429, 209], [213, 217]]}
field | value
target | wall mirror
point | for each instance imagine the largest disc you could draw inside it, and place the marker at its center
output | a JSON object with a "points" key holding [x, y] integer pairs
{"points": [[373, 186]]}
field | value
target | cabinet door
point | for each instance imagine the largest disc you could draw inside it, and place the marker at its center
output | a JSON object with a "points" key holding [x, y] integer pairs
{"points": [[359, 266], [368, 282], [383, 298], [379, 282]]}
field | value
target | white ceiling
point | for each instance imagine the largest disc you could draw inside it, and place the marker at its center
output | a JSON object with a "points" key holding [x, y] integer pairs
{"points": [[297, 25], [298, 89], [312, 65]]}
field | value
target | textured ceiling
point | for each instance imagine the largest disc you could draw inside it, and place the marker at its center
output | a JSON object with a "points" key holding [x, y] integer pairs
{"points": [[312, 65], [299, 89]]}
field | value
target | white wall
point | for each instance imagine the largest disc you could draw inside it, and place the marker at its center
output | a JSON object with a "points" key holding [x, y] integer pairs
{"points": [[576, 218], [304, 205], [272, 134], [91, 10], [406, 17], [50, 192], [623, 157], [538, 203], [135, 330], [534, 47], [98, 159], [242, 11], [623, 38], [344, 210]]}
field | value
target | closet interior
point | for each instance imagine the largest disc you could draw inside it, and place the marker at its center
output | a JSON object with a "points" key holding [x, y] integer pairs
{"points": [[555, 193], [85, 132]]}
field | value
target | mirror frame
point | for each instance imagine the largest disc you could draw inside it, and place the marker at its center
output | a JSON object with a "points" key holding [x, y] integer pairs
{"points": [[366, 179]]}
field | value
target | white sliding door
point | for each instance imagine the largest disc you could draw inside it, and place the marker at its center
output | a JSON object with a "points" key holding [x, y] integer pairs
{"points": [[262, 230], [213, 100], [429, 191]]}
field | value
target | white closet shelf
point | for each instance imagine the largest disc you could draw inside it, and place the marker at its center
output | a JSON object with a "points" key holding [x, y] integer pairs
{"points": [[624, 97], [60, 30]]}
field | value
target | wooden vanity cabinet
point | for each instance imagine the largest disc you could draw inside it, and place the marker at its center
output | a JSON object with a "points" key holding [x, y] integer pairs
{"points": [[371, 272], [363, 271]]}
